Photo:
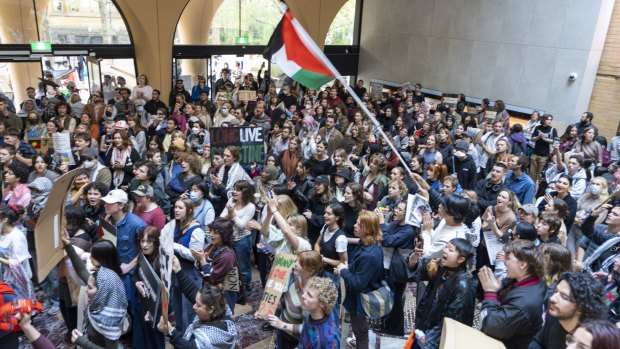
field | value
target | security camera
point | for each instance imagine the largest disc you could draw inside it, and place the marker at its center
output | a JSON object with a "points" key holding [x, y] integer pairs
{"points": [[572, 76]]}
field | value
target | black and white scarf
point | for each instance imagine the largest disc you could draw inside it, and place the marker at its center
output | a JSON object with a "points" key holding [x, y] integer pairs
{"points": [[107, 311]]}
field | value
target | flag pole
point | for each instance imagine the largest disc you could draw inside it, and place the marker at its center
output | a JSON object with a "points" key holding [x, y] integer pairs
{"points": [[317, 51]]}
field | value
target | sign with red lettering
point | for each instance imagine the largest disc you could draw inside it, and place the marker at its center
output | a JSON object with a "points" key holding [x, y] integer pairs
{"points": [[276, 285], [250, 140]]}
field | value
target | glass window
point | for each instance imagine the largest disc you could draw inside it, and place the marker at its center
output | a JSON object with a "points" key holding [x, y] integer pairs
{"points": [[341, 30], [259, 18], [82, 22]]}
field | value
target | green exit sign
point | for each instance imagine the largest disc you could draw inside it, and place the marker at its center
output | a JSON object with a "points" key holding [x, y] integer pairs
{"points": [[242, 40], [41, 46]]}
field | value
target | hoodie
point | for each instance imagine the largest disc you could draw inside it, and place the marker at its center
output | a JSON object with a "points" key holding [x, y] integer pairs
{"points": [[465, 170]]}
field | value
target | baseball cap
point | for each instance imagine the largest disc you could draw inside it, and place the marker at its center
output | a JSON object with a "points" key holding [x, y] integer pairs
{"points": [[90, 153], [322, 179], [144, 190], [529, 209], [116, 196], [470, 134], [462, 145]]}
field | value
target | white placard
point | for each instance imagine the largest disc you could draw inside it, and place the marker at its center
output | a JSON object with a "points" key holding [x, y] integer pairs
{"points": [[493, 245], [62, 147], [416, 207]]}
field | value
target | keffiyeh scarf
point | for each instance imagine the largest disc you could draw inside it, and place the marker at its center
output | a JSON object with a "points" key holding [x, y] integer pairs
{"points": [[107, 311]]}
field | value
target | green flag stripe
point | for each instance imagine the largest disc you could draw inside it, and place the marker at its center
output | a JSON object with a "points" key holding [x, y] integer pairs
{"points": [[310, 79]]}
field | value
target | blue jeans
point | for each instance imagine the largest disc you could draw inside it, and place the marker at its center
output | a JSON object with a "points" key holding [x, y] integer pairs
{"points": [[243, 251]]}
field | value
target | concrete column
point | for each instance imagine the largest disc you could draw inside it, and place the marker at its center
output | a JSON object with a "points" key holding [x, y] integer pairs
{"points": [[152, 24]]}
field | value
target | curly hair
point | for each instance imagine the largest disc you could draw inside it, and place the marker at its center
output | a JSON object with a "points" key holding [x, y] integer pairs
{"points": [[587, 294], [225, 228], [326, 291], [101, 187], [193, 161], [20, 171]]}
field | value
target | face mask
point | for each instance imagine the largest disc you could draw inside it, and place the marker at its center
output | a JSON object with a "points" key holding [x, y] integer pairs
{"points": [[224, 111], [595, 190], [195, 130], [460, 154], [108, 113], [548, 191], [88, 164], [193, 196], [308, 107]]}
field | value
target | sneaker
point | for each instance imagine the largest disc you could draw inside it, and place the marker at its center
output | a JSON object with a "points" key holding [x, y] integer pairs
{"points": [[351, 342]]}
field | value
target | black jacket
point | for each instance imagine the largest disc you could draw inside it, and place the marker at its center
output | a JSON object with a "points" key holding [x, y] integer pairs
{"points": [[551, 336], [446, 296], [465, 170], [516, 315], [487, 193]]}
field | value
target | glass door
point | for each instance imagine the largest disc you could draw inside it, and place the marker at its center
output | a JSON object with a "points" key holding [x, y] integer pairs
{"points": [[94, 70]]}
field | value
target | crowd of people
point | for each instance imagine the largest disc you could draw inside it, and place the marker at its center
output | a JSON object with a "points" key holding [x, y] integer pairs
{"points": [[520, 231]]}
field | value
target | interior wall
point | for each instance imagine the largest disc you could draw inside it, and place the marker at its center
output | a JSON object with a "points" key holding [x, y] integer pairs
{"points": [[520, 51], [604, 101]]}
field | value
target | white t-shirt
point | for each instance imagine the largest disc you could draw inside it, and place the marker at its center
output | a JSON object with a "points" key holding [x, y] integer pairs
{"points": [[435, 242], [15, 247], [341, 241]]}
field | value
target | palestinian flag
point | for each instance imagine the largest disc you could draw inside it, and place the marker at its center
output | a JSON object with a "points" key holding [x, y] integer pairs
{"points": [[294, 51]]}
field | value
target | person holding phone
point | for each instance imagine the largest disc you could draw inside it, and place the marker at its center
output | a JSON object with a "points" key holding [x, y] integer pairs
{"points": [[398, 237], [543, 137]]}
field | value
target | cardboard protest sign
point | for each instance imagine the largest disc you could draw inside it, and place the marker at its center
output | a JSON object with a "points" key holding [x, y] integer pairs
{"points": [[40, 145], [276, 285], [246, 96], [49, 227], [223, 97], [489, 115], [107, 231], [151, 284], [250, 141], [416, 208], [457, 335], [62, 147], [376, 90], [450, 99], [231, 280]]}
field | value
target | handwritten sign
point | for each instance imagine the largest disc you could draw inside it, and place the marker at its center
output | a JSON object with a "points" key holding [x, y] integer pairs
{"points": [[250, 141], [451, 99], [490, 115], [40, 145], [376, 90], [276, 285], [246, 96], [231, 280], [222, 98]]}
